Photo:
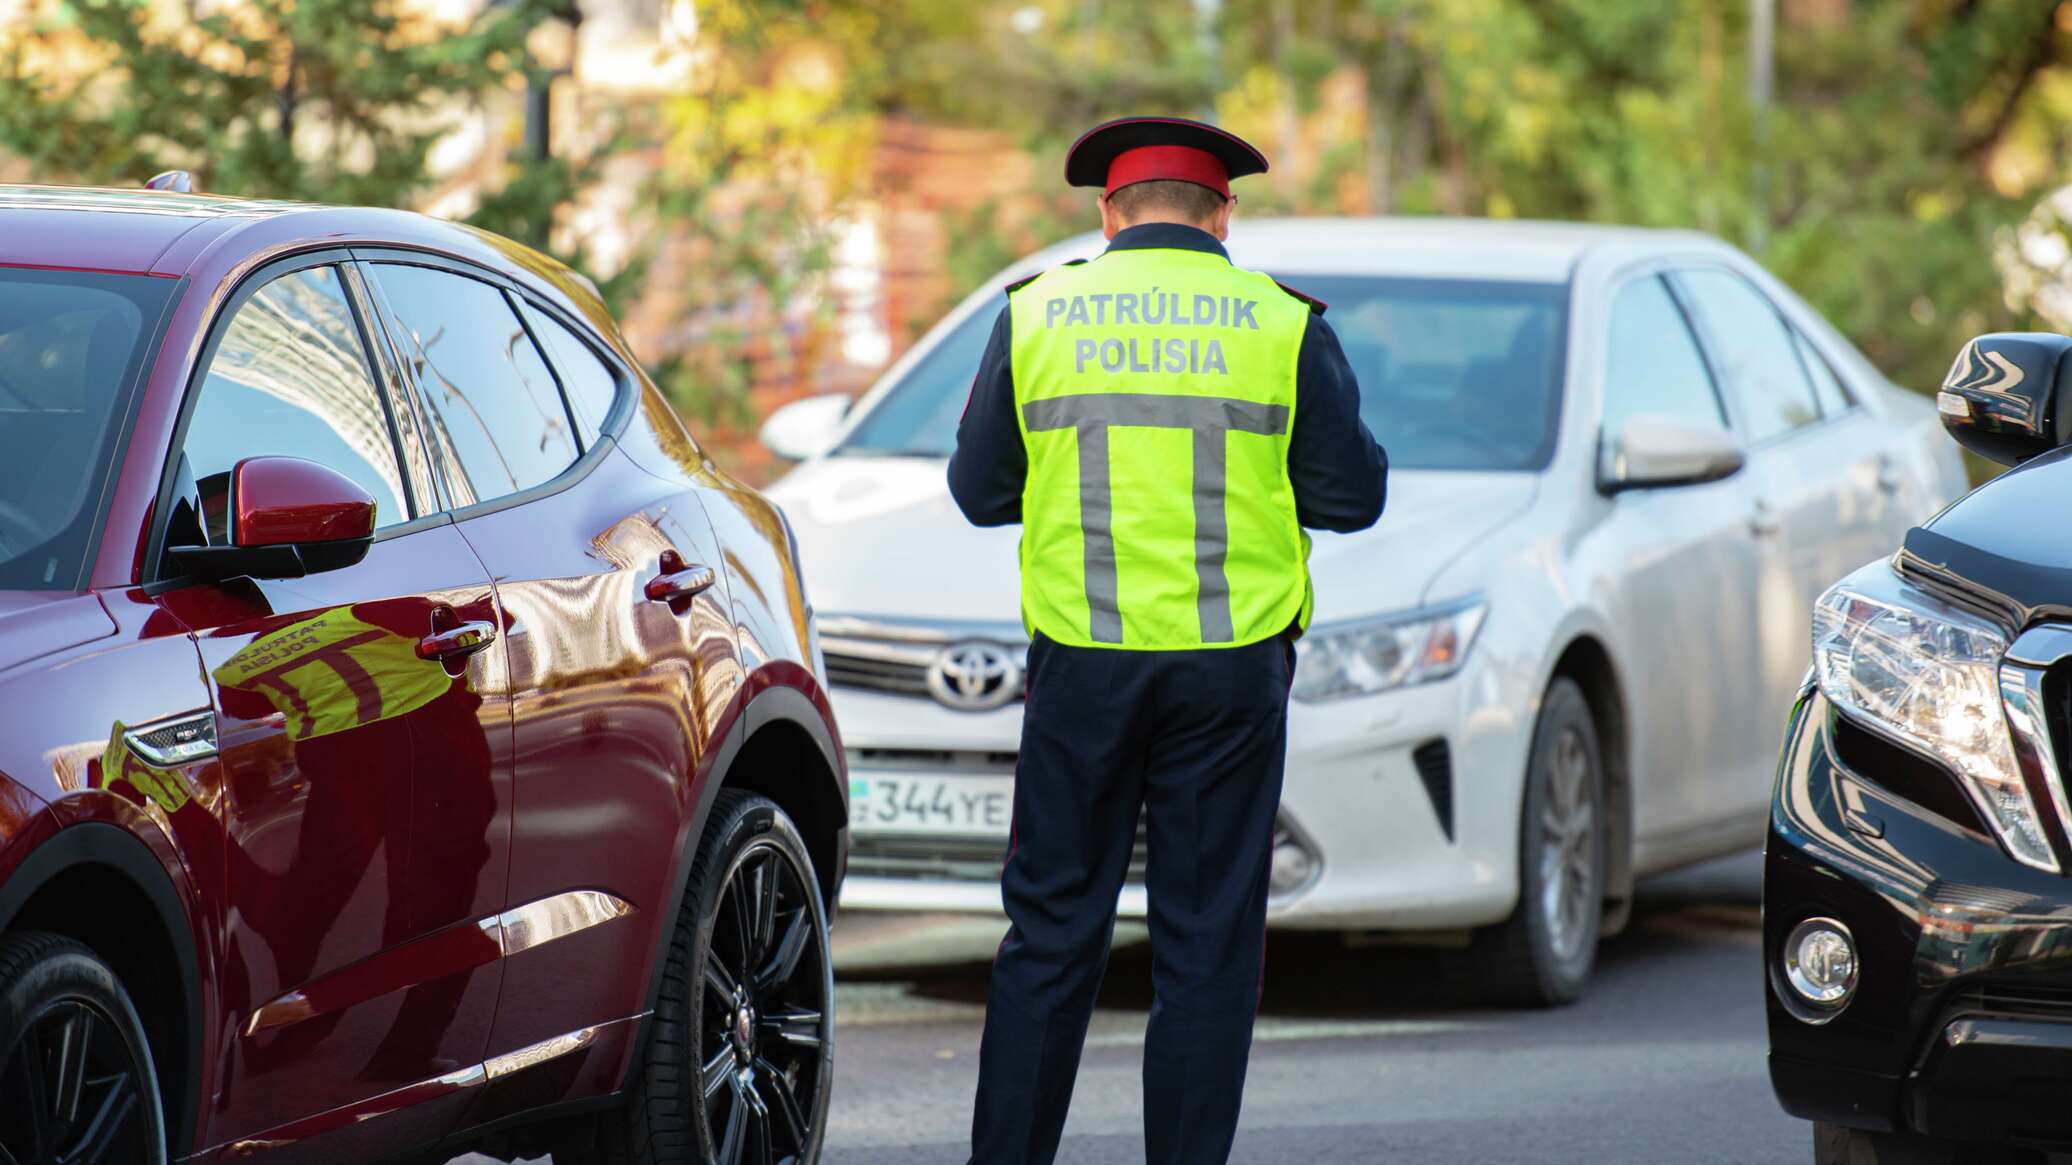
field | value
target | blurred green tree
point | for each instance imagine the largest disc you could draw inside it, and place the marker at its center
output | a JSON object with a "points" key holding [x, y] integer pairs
{"points": [[1876, 184], [1866, 182], [323, 100], [339, 101], [1906, 141], [760, 156]]}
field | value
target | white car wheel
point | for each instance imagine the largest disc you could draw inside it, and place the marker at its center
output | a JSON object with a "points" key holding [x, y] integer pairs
{"points": [[1545, 953]]}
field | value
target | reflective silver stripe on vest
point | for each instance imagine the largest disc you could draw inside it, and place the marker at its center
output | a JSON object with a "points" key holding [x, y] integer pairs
{"points": [[1209, 418]]}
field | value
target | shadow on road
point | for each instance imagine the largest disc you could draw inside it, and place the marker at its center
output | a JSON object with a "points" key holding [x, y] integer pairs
{"points": [[1325, 976], [1362, 1052]]}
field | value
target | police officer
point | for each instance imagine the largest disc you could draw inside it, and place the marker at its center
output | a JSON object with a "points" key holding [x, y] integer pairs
{"points": [[1163, 424]]}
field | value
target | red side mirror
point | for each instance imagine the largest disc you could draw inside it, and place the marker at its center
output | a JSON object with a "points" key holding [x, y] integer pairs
{"points": [[289, 518], [286, 501]]}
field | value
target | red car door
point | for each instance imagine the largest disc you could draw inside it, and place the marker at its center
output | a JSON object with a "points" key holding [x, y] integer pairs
{"points": [[621, 654], [365, 799]]}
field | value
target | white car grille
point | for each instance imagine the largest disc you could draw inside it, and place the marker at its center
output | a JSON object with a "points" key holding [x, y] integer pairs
{"points": [[900, 657], [879, 667]]}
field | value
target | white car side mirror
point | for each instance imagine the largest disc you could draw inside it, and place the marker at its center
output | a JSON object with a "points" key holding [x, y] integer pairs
{"points": [[1653, 451], [807, 428]]}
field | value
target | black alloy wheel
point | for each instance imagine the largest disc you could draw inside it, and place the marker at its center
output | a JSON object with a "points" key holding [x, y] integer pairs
{"points": [[740, 1061], [764, 1022], [77, 1086]]}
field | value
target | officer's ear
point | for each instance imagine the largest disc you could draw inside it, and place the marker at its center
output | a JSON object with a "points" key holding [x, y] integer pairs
{"points": [[1220, 226], [1111, 219]]}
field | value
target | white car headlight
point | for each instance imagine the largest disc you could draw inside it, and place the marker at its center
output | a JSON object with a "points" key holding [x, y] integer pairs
{"points": [[1358, 659], [1927, 675]]}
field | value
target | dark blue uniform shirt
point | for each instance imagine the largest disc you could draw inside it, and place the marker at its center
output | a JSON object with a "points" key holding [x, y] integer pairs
{"points": [[1339, 471]]}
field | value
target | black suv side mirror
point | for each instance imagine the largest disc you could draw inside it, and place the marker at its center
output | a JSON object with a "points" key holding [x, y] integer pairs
{"points": [[2007, 398]]}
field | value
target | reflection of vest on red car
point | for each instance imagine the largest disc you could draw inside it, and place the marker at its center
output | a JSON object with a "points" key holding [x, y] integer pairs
{"points": [[118, 763], [334, 672], [379, 753]]}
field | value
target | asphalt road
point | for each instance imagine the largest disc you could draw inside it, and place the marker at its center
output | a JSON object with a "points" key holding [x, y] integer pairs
{"points": [[1361, 1055]]}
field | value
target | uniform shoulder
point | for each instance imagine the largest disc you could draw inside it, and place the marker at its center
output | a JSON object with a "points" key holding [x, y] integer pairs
{"points": [[1316, 306], [1026, 280]]}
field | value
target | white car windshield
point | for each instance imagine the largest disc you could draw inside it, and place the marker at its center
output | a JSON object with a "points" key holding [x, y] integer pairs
{"points": [[1454, 374]]}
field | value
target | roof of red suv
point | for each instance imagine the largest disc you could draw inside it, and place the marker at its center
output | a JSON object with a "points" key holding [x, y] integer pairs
{"points": [[154, 232], [89, 228]]}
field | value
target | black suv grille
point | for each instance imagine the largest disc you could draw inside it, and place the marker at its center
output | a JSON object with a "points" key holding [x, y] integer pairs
{"points": [[2016, 998], [2057, 722]]}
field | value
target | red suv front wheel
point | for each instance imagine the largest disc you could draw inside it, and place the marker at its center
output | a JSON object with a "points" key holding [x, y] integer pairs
{"points": [[739, 1062], [76, 1080]]}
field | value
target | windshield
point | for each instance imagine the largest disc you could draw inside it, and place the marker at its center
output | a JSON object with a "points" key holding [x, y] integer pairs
{"points": [[1454, 374], [71, 345]]}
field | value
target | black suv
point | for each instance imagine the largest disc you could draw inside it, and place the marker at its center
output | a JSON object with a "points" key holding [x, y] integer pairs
{"points": [[1917, 896]]}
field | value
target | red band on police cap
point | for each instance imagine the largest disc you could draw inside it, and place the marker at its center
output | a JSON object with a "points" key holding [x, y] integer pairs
{"points": [[1170, 163]]}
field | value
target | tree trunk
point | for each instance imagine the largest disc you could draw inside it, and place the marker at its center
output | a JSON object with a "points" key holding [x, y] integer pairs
{"points": [[1384, 92], [1289, 126], [285, 98]]}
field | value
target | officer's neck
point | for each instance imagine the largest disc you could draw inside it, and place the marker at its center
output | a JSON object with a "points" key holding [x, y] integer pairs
{"points": [[1157, 235]]}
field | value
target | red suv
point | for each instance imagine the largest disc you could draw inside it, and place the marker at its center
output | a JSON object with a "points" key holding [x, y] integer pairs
{"points": [[412, 741]]}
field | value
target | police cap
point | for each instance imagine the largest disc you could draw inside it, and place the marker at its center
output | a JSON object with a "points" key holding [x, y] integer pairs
{"points": [[1117, 153]]}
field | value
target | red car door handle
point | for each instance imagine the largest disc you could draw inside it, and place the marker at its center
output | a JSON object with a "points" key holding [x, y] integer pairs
{"points": [[457, 642], [679, 581]]}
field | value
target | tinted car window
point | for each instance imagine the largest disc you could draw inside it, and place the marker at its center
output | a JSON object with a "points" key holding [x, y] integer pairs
{"points": [[289, 378], [1827, 387], [918, 417], [1652, 364], [1454, 374], [588, 381], [496, 413], [71, 346], [1753, 350]]}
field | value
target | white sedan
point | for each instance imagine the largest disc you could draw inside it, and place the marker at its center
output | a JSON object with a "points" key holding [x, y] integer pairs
{"points": [[1622, 465]]}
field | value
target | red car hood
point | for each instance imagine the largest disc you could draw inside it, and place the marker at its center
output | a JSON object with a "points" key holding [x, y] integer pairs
{"points": [[35, 623]]}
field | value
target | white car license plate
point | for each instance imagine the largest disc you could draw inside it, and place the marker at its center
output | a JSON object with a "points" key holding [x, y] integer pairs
{"points": [[973, 805]]}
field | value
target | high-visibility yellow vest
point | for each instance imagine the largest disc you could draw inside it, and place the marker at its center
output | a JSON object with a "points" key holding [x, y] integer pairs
{"points": [[1156, 392], [335, 672]]}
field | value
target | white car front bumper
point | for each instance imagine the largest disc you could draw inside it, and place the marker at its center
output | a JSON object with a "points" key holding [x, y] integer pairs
{"points": [[1353, 795]]}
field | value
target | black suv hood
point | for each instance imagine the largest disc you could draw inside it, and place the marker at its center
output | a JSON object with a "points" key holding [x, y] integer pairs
{"points": [[2007, 542]]}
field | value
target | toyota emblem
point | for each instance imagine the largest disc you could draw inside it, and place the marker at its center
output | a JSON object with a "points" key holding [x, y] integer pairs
{"points": [[975, 676]]}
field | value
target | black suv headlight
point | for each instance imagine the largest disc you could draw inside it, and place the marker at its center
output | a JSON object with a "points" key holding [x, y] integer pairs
{"points": [[1926, 674]]}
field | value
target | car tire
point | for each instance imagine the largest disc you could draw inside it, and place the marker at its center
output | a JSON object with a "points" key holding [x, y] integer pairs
{"points": [[1545, 953], [1841, 1145], [76, 1078], [739, 1059]]}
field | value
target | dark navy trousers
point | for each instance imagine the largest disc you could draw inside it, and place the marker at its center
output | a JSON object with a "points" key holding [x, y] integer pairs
{"points": [[1195, 741]]}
